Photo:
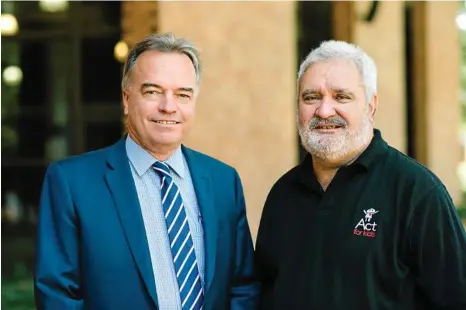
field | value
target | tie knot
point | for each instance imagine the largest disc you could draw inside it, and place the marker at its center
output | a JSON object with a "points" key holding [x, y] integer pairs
{"points": [[161, 168]]}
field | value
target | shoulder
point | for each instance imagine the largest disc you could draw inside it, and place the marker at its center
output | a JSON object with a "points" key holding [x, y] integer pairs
{"points": [[286, 184], [89, 162], [412, 183], [288, 178], [215, 165], [404, 168]]}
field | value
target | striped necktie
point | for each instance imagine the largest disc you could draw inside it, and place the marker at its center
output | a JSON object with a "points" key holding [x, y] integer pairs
{"points": [[181, 243]]}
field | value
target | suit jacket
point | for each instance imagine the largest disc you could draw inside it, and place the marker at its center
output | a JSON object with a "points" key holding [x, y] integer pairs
{"points": [[92, 250]]}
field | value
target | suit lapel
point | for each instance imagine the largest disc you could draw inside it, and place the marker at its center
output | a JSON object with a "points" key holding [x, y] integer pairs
{"points": [[204, 193], [121, 184]]}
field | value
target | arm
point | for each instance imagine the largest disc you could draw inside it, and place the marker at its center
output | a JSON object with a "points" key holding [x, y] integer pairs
{"points": [[245, 290], [438, 251], [265, 256], [57, 278]]}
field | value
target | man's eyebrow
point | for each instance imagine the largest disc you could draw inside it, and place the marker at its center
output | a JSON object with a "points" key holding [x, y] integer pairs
{"points": [[310, 91], [147, 84], [341, 90], [186, 89], [183, 89]]}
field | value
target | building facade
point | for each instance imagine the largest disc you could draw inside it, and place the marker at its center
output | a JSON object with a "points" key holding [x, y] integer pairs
{"points": [[68, 99], [251, 51]]}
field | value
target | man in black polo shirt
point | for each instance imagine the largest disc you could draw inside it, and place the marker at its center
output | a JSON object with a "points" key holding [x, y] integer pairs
{"points": [[357, 225]]}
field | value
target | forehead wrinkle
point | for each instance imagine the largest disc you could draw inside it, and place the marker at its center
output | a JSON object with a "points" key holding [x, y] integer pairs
{"points": [[328, 84], [334, 67], [335, 88]]}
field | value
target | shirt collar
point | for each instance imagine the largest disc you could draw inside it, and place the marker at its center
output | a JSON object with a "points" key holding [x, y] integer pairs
{"points": [[372, 153], [142, 160]]}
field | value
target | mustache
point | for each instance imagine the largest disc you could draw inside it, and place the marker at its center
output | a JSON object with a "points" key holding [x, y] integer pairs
{"points": [[333, 121]]}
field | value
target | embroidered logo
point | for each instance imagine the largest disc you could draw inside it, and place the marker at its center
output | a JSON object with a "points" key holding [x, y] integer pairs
{"points": [[366, 226]]}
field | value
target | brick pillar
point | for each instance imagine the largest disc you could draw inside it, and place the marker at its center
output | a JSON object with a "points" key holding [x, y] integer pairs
{"points": [[246, 108], [139, 19], [383, 40], [437, 84], [343, 20]]}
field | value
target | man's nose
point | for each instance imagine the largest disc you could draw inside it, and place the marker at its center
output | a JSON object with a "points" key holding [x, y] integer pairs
{"points": [[167, 104], [326, 109]]}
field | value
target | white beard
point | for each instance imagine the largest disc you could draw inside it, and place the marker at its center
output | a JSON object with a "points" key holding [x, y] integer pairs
{"points": [[335, 147]]}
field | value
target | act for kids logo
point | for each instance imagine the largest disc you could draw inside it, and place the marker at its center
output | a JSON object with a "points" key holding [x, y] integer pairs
{"points": [[366, 226]]}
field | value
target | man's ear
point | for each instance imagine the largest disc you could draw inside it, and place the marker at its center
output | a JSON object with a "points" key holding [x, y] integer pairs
{"points": [[125, 99], [373, 105]]}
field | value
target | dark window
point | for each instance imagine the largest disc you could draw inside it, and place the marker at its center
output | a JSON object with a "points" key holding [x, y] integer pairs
{"points": [[100, 78], [67, 64], [99, 134], [33, 89]]}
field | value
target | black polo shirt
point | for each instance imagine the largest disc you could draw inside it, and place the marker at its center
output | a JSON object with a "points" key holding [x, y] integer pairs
{"points": [[384, 235]]}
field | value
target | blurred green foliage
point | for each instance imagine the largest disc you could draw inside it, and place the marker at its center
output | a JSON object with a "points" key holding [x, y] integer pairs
{"points": [[18, 290], [462, 208]]}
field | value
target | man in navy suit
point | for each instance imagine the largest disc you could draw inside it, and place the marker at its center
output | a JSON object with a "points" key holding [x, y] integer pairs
{"points": [[146, 223]]}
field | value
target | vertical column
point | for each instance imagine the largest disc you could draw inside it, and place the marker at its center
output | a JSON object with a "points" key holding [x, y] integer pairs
{"points": [[75, 111], [343, 20], [419, 69], [383, 39], [57, 145], [246, 107], [442, 81], [139, 19]]}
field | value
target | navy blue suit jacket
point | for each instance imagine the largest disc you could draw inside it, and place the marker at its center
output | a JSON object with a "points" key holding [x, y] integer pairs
{"points": [[92, 251]]}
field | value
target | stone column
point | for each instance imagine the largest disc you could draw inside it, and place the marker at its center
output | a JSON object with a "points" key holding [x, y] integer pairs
{"points": [[383, 40], [437, 90]]}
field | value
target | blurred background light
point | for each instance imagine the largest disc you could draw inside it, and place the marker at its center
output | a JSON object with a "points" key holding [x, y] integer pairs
{"points": [[8, 24], [121, 51], [461, 20], [12, 75], [53, 5]]}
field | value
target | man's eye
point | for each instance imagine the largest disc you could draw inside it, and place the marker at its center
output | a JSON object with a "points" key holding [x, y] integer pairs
{"points": [[342, 97], [184, 96], [310, 98], [151, 92]]}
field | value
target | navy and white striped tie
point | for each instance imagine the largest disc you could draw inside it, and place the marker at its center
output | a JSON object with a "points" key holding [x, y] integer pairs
{"points": [[181, 243]]}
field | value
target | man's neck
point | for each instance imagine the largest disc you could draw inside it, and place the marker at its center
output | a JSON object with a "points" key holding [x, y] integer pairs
{"points": [[160, 153], [324, 174], [325, 170]]}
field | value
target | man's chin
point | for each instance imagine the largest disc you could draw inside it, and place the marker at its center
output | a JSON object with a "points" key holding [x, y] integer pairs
{"points": [[327, 141], [330, 154], [327, 137], [326, 151]]}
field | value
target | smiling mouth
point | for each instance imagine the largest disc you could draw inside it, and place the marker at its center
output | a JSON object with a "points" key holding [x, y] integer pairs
{"points": [[328, 127], [166, 122]]}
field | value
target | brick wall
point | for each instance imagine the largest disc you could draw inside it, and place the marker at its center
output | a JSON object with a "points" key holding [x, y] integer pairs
{"points": [[442, 93]]}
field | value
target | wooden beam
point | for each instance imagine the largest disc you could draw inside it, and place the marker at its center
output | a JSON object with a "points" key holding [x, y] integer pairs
{"points": [[419, 80], [343, 20]]}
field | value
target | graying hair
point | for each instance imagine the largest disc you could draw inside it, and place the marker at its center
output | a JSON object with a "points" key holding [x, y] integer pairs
{"points": [[165, 43], [332, 49]]}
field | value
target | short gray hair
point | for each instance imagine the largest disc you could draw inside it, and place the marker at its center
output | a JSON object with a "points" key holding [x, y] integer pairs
{"points": [[165, 43], [332, 49]]}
